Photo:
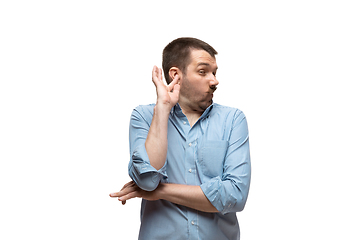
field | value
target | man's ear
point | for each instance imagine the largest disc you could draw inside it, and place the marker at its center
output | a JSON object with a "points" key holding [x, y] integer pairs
{"points": [[173, 72]]}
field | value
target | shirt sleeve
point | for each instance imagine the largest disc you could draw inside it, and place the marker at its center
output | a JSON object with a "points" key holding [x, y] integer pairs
{"points": [[229, 192], [140, 169]]}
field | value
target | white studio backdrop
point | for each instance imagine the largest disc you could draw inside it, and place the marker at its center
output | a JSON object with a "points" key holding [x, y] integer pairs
{"points": [[72, 71]]}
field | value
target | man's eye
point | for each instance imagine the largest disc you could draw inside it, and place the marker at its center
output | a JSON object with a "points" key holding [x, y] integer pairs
{"points": [[202, 71]]}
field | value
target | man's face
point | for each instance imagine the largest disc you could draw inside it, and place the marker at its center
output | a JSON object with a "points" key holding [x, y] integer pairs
{"points": [[199, 82]]}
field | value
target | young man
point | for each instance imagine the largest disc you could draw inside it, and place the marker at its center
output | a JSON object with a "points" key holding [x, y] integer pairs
{"points": [[190, 160]]}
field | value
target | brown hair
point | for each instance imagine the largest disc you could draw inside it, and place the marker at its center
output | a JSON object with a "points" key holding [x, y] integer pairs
{"points": [[177, 54]]}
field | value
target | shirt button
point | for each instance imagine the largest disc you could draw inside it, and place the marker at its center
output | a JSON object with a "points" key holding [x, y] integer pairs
{"points": [[192, 222], [190, 170], [190, 144], [184, 123]]}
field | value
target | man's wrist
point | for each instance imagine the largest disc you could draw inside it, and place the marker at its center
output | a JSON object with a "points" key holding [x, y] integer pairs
{"points": [[162, 108], [160, 191]]}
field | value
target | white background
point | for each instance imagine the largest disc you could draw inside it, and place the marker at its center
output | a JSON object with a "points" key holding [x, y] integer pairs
{"points": [[72, 71]]}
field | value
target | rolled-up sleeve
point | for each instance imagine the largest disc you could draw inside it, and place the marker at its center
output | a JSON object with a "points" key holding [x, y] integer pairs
{"points": [[140, 169], [229, 192]]}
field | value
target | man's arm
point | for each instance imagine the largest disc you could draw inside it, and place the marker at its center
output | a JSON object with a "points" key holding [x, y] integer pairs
{"points": [[148, 135], [185, 195], [226, 194], [156, 141], [229, 192]]}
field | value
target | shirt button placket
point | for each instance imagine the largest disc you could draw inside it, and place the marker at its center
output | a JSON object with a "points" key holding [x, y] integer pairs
{"points": [[193, 229], [191, 179]]}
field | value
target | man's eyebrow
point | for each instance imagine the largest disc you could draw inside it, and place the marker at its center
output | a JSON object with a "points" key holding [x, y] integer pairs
{"points": [[204, 64]]}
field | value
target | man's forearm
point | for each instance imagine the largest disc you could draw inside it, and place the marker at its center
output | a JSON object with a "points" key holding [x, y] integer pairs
{"points": [[156, 142], [167, 97], [185, 195]]}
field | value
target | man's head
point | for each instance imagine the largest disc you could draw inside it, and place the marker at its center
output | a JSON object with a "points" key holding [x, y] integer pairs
{"points": [[193, 62], [178, 52]]}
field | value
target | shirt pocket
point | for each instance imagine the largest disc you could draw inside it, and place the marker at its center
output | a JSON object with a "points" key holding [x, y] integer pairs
{"points": [[211, 157]]}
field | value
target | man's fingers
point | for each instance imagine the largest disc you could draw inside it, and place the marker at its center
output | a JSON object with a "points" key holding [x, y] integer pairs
{"points": [[176, 89], [127, 184], [173, 83], [156, 75], [115, 194], [129, 196], [128, 187], [160, 74]]}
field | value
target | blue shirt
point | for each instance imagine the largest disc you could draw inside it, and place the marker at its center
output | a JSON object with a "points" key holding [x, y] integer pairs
{"points": [[213, 154]]}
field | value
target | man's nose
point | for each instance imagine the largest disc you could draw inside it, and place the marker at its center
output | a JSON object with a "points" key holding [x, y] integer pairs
{"points": [[214, 82]]}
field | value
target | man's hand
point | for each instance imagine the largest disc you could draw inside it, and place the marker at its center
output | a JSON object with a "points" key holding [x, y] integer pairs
{"points": [[167, 95], [131, 190]]}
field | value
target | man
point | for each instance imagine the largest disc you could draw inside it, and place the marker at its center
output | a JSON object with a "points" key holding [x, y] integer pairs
{"points": [[190, 160]]}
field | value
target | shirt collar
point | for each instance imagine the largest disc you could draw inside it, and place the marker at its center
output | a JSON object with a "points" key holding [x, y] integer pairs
{"points": [[207, 111], [178, 111]]}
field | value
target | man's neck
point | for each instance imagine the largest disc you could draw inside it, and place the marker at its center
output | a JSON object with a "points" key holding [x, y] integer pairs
{"points": [[191, 114]]}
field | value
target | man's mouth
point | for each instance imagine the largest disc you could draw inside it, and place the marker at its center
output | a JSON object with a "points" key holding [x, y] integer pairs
{"points": [[213, 89]]}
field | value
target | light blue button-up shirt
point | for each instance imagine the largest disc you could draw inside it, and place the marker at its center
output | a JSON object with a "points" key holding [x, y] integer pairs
{"points": [[213, 154]]}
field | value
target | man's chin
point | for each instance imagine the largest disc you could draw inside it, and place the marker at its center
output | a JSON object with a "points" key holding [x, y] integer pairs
{"points": [[206, 105]]}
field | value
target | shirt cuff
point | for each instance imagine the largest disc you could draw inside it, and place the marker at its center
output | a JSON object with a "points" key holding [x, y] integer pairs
{"points": [[141, 171], [216, 193]]}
